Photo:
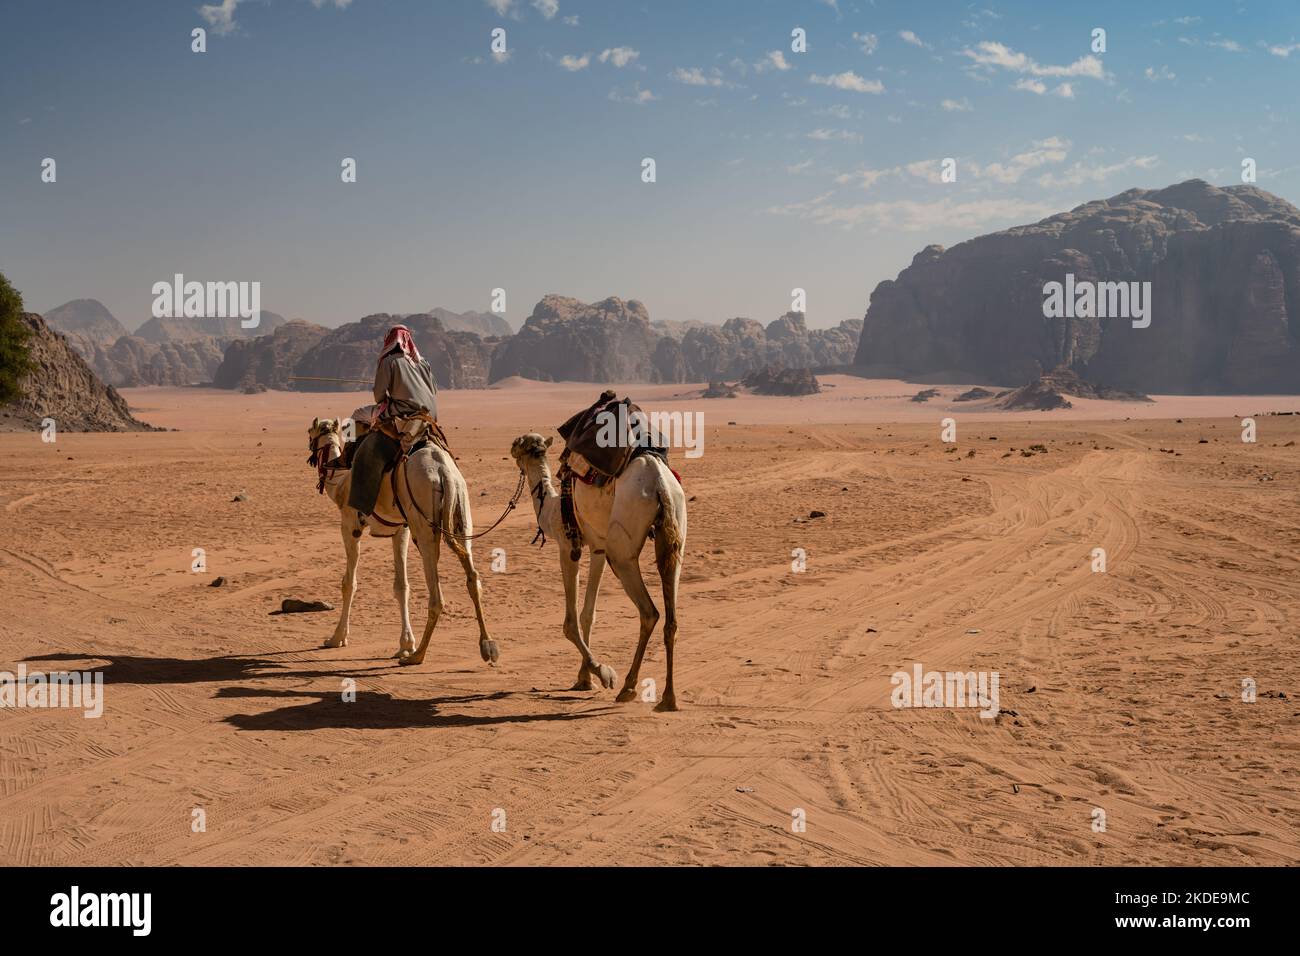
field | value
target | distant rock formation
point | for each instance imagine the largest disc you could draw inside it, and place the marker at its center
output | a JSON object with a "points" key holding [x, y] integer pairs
{"points": [[61, 386], [85, 323], [196, 330], [1049, 392], [1224, 268], [268, 361], [568, 340], [458, 359], [782, 381], [132, 361], [161, 352], [740, 346], [485, 325]]}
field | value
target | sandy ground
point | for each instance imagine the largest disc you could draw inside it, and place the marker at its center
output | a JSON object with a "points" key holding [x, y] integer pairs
{"points": [[1119, 691]]}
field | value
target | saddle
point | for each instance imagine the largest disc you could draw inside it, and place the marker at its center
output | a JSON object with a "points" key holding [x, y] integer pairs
{"points": [[599, 443]]}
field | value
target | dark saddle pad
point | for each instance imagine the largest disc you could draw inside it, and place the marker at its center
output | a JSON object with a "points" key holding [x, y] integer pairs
{"points": [[609, 434]]}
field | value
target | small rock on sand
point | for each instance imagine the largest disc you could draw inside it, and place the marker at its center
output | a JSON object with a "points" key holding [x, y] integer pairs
{"points": [[294, 606]]}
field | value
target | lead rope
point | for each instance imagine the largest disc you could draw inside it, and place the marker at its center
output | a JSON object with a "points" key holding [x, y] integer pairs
{"points": [[510, 506]]}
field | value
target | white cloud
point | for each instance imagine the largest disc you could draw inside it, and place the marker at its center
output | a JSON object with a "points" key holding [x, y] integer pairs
{"points": [[1063, 90], [694, 76], [909, 37], [220, 16], [848, 80], [620, 56], [503, 57], [775, 60], [1156, 75], [638, 96], [1284, 50], [842, 135], [957, 106], [575, 63], [944, 215], [547, 8], [338, 4], [1232, 46], [1044, 151], [868, 42], [503, 8], [992, 55], [1080, 173], [569, 21], [797, 168]]}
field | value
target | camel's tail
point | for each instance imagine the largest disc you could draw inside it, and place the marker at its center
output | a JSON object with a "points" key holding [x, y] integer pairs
{"points": [[670, 529], [455, 514]]}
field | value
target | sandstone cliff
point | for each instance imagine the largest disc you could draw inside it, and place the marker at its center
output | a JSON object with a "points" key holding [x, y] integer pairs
{"points": [[85, 323], [268, 360], [568, 340], [1224, 267], [61, 386]]}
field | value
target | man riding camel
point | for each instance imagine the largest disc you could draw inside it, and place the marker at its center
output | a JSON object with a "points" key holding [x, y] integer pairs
{"points": [[405, 391]]}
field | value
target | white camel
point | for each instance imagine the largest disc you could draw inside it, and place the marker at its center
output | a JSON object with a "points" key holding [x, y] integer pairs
{"points": [[430, 491], [615, 521]]}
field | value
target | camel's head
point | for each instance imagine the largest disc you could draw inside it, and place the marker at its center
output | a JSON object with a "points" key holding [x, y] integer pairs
{"points": [[325, 441], [530, 447]]}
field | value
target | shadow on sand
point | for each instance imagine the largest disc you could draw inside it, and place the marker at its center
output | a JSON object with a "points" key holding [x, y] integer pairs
{"points": [[126, 669], [374, 711]]}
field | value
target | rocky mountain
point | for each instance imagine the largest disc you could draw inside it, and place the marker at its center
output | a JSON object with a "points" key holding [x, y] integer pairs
{"points": [[195, 330], [1224, 268], [740, 346], [132, 361], [458, 359], [568, 340], [483, 324], [85, 323], [268, 360], [60, 385], [615, 341]]}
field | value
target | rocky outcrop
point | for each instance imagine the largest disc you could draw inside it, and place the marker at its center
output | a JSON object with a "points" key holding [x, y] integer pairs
{"points": [[485, 325], [568, 340], [132, 361], [268, 360], [740, 346], [782, 381], [85, 323], [60, 385], [1224, 268], [458, 359], [196, 330]]}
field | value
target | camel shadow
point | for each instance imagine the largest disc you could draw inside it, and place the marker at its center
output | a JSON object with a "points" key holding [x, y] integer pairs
{"points": [[372, 711], [228, 668]]}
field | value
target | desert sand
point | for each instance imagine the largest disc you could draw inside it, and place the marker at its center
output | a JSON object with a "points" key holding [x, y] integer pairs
{"points": [[1119, 691]]}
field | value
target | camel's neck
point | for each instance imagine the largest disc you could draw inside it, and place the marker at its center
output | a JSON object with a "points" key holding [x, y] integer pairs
{"points": [[540, 488]]}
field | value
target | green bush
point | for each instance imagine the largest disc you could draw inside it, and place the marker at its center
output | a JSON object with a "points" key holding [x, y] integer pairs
{"points": [[15, 360]]}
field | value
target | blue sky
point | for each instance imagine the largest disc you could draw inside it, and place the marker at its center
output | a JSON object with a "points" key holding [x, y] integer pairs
{"points": [[775, 169]]}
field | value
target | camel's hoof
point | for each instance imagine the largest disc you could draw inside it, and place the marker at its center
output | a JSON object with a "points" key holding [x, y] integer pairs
{"points": [[666, 705], [410, 661], [626, 695], [606, 675], [584, 682], [489, 651], [335, 642]]}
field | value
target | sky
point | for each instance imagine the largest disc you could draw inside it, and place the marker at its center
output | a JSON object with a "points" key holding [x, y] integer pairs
{"points": [[775, 169]]}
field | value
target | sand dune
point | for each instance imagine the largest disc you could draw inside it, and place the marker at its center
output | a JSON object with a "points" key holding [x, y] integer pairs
{"points": [[1120, 691]]}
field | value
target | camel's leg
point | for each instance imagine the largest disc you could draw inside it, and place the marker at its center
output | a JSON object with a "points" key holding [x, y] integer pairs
{"points": [[668, 558], [426, 542], [589, 665], [628, 571], [402, 591], [593, 587], [486, 646], [352, 549]]}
